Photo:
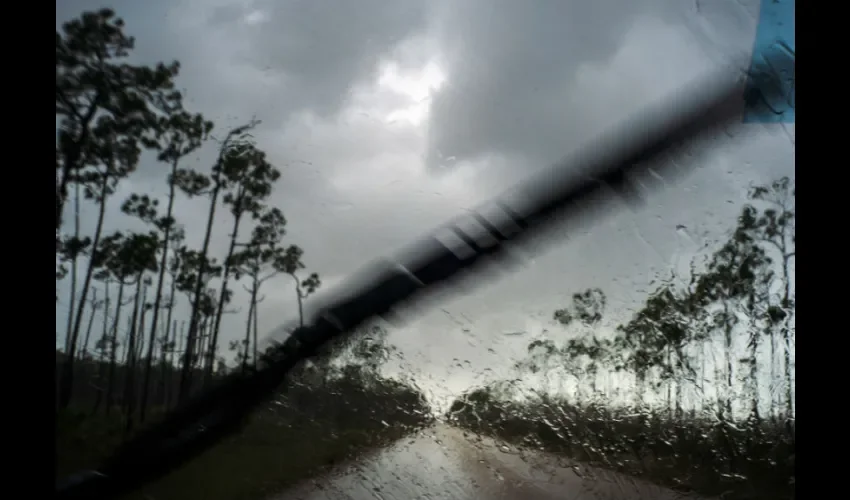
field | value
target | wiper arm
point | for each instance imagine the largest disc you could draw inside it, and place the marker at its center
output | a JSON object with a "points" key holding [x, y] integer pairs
{"points": [[619, 163]]}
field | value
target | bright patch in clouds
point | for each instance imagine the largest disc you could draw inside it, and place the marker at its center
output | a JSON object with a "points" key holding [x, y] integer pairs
{"points": [[418, 86], [255, 17], [383, 129]]}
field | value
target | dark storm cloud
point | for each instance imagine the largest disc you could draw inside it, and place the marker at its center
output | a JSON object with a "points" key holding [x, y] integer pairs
{"points": [[268, 57], [511, 65], [320, 48]]}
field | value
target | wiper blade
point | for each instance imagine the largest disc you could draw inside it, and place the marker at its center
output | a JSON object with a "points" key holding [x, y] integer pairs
{"points": [[621, 163]]}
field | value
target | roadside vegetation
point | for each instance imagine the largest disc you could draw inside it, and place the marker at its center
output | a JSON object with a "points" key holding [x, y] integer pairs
{"points": [[695, 391], [332, 411]]}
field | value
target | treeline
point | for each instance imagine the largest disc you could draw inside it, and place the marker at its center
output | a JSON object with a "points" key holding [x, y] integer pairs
{"points": [[344, 384], [694, 391], [124, 287], [333, 409], [128, 351]]}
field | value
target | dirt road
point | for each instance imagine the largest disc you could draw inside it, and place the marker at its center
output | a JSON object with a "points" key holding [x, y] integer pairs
{"points": [[445, 463]]}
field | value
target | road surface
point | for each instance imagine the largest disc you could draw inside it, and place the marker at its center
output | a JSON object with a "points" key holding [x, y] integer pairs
{"points": [[444, 463]]}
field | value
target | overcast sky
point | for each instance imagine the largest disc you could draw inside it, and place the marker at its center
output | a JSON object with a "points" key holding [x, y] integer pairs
{"points": [[388, 117]]}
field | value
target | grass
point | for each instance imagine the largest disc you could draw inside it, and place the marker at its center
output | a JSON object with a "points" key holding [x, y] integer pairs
{"points": [[279, 447], [266, 458], [745, 460]]}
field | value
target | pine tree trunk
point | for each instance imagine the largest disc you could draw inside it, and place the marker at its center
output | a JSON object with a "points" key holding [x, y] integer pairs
{"points": [[103, 349], [256, 316], [67, 383], [163, 261], [216, 325], [85, 348], [186, 375], [72, 299], [114, 349], [130, 383], [247, 341]]}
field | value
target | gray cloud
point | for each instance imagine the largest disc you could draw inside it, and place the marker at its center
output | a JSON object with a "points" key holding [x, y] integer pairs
{"points": [[510, 67], [321, 48], [519, 75], [273, 58], [281, 57]]}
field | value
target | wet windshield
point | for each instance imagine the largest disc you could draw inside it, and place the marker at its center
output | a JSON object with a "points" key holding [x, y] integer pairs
{"points": [[227, 170]]}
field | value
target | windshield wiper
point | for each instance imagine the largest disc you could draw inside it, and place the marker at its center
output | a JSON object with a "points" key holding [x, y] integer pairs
{"points": [[626, 162]]}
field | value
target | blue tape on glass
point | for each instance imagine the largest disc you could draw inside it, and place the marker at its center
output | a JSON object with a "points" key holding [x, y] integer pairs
{"points": [[770, 87]]}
